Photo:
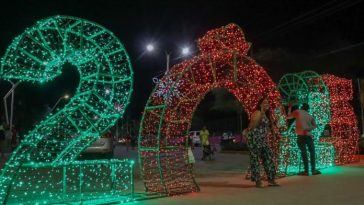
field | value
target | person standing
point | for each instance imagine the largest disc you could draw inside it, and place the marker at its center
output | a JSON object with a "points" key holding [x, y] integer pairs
{"points": [[204, 135], [257, 141], [304, 125], [190, 157]]}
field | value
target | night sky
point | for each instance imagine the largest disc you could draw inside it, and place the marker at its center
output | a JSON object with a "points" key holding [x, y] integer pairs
{"points": [[286, 36]]}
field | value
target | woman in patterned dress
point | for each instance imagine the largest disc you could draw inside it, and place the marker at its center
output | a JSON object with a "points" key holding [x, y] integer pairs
{"points": [[257, 141]]}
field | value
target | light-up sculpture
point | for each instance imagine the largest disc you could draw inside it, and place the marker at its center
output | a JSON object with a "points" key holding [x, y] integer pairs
{"points": [[105, 87], [306, 87], [344, 131], [221, 63]]}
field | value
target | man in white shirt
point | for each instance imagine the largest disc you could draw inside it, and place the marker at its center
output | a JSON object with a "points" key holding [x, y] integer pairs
{"points": [[304, 124]]}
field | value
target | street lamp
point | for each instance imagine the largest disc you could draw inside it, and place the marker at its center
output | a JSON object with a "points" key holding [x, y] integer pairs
{"points": [[59, 100], [185, 51], [151, 48]]}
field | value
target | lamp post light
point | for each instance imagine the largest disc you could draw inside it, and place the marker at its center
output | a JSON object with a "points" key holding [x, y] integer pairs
{"points": [[59, 100], [185, 51], [151, 48]]}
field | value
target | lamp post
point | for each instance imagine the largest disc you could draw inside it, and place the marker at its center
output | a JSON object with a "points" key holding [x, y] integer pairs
{"points": [[167, 60], [59, 100], [151, 48], [12, 93]]}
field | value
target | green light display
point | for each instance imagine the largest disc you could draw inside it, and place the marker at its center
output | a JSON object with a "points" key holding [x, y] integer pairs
{"points": [[306, 87], [104, 91], [91, 181]]}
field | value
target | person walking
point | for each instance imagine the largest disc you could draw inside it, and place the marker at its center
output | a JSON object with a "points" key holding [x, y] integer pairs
{"points": [[204, 135], [257, 141], [305, 123]]}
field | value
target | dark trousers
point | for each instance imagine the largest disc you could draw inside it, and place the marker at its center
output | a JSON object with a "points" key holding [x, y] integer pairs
{"points": [[302, 142]]}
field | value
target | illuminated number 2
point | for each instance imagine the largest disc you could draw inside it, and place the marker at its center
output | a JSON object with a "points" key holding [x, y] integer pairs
{"points": [[105, 87]]}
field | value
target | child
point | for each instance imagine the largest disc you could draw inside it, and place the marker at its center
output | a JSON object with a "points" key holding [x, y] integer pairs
{"points": [[191, 158]]}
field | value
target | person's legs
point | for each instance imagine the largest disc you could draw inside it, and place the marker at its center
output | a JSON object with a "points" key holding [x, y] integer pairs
{"points": [[204, 154], [311, 149], [269, 166], [209, 152], [255, 167], [301, 142]]}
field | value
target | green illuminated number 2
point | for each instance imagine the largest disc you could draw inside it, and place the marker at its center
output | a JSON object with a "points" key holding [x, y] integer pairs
{"points": [[105, 87]]}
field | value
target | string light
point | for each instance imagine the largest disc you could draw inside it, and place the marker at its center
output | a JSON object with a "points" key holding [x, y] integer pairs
{"points": [[49, 151], [328, 97], [221, 63], [105, 87], [306, 87], [344, 125], [163, 87], [96, 180]]}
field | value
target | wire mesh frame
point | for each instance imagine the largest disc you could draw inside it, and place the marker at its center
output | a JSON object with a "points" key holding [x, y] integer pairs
{"points": [[159, 120], [104, 91], [306, 87], [75, 186]]}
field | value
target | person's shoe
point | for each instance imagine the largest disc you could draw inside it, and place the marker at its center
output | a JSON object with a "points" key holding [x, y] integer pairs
{"points": [[303, 173], [316, 172], [272, 183], [259, 184]]}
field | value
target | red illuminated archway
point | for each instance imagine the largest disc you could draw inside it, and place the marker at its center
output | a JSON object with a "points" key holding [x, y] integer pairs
{"points": [[221, 63]]}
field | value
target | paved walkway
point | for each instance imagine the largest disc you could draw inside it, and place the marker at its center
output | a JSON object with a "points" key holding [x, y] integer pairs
{"points": [[222, 182], [337, 185]]}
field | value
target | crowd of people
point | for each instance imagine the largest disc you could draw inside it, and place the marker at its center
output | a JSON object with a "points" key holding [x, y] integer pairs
{"points": [[260, 151]]}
